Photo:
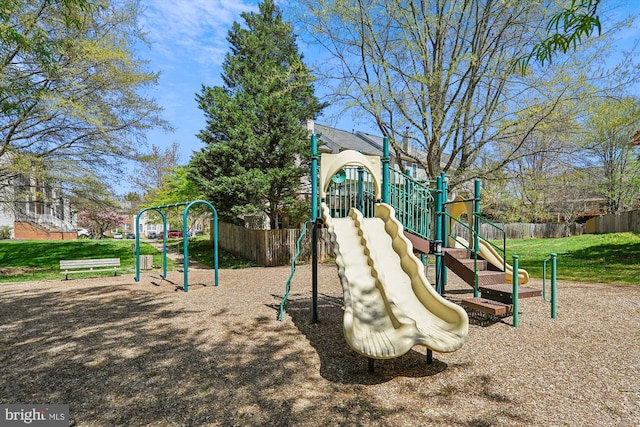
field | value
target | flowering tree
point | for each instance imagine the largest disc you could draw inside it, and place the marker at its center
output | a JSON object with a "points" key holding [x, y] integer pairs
{"points": [[99, 220]]}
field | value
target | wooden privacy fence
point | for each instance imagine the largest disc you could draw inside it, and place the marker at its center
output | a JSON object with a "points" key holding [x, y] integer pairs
{"points": [[519, 230], [271, 247], [614, 223], [277, 247]]}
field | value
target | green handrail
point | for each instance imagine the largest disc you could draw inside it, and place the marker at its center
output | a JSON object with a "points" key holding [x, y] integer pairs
{"points": [[475, 237], [413, 200], [293, 269], [467, 246], [502, 249]]}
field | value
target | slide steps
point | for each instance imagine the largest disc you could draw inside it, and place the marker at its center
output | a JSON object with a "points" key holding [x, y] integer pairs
{"points": [[496, 295]]}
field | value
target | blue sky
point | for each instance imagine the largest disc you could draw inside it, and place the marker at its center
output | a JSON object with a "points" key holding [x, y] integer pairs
{"points": [[188, 45]]}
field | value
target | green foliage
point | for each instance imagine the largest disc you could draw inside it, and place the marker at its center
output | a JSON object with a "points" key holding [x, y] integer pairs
{"points": [[613, 158], [566, 30], [71, 88], [256, 143], [5, 232], [175, 188]]}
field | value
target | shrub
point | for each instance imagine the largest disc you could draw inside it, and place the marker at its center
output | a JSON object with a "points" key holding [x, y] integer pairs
{"points": [[5, 232]]}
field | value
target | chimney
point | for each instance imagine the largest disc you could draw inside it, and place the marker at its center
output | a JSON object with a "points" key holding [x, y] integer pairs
{"points": [[405, 140]]}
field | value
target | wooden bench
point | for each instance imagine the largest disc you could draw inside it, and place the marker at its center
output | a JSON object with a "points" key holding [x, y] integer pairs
{"points": [[88, 266]]}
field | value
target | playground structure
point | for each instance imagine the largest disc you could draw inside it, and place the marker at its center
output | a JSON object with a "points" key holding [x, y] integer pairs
{"points": [[185, 238], [377, 218]]}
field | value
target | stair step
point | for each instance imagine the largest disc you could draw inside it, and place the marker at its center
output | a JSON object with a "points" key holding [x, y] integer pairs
{"points": [[459, 253], [420, 244], [503, 292], [481, 264], [487, 306], [488, 277]]}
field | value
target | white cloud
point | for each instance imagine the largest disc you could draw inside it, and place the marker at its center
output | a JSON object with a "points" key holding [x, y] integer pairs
{"points": [[196, 29]]}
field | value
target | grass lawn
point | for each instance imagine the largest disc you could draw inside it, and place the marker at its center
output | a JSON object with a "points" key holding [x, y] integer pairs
{"points": [[40, 259], [604, 258]]}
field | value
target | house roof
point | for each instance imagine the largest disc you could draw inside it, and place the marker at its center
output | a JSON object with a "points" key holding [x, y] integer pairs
{"points": [[333, 140]]}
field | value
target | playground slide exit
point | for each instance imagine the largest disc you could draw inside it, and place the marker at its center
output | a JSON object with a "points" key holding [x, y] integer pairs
{"points": [[390, 305]]}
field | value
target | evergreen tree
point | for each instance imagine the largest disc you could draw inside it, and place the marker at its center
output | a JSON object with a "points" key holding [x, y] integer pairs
{"points": [[256, 142]]}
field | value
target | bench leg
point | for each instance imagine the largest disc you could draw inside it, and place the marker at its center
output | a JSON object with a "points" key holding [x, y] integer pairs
{"points": [[429, 356]]}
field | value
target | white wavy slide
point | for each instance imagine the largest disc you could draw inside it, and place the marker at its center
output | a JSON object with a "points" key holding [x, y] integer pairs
{"points": [[390, 306]]}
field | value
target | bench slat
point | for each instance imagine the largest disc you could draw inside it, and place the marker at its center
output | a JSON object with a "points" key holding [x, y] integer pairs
{"points": [[93, 265], [88, 263]]}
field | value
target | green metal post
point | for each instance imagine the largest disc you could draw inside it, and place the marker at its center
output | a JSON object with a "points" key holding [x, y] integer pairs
{"points": [[185, 251], [476, 214], [138, 246], [185, 237], [445, 231], [385, 170], [515, 291], [476, 229], [438, 241], [314, 229], [360, 199], [553, 285], [164, 245]]}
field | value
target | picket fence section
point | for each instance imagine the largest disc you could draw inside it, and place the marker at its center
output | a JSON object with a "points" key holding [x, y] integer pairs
{"points": [[271, 247], [520, 230], [614, 223]]}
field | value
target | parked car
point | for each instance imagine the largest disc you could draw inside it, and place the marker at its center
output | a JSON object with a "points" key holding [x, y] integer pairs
{"points": [[117, 235], [131, 236], [171, 234], [152, 235], [83, 232]]}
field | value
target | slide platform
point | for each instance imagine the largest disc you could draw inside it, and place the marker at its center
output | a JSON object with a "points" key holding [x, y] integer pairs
{"points": [[390, 306]]}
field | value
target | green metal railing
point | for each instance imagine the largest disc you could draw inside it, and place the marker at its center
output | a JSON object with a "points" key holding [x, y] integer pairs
{"points": [[501, 249], [466, 245], [354, 187], [474, 237], [303, 232], [413, 201]]}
